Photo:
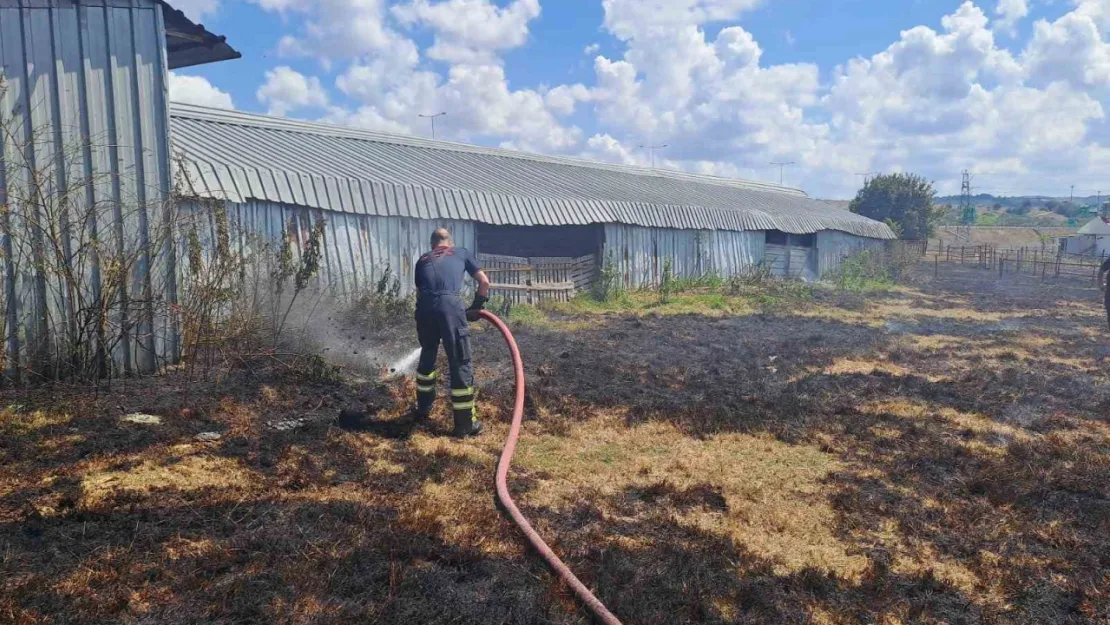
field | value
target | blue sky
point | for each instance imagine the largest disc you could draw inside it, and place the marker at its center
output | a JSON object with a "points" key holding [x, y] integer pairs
{"points": [[1012, 88]]}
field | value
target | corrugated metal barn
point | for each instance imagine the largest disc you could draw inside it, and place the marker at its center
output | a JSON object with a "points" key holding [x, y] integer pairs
{"points": [[382, 195], [84, 155], [91, 154]]}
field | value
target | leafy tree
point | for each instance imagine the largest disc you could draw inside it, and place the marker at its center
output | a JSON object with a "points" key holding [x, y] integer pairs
{"points": [[1022, 209], [904, 199]]}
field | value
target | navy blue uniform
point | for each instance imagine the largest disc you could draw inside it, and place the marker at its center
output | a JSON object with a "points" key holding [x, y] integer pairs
{"points": [[1106, 294], [441, 318]]}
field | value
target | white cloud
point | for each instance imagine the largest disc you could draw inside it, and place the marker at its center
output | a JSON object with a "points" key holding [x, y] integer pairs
{"points": [[711, 100], [1010, 12], [632, 19], [603, 147], [197, 90], [331, 30], [197, 10], [563, 99], [470, 30], [937, 103], [1072, 49], [366, 117], [287, 90], [478, 101], [940, 98]]}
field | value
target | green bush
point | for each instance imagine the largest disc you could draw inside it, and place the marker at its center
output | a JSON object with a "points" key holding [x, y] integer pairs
{"points": [[507, 310], [383, 307], [610, 283], [865, 271], [757, 276], [667, 282], [711, 281]]}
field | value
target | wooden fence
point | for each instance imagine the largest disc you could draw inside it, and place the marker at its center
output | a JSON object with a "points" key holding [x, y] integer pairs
{"points": [[532, 280], [1037, 262]]}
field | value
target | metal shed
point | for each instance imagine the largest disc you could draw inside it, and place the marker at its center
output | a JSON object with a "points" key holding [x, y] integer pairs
{"points": [[381, 194]]}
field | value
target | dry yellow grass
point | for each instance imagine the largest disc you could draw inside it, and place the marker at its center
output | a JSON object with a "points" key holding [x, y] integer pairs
{"points": [[182, 471], [767, 492]]}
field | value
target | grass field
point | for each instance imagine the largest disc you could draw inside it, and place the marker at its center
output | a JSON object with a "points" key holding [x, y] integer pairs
{"points": [[1036, 237], [935, 453]]}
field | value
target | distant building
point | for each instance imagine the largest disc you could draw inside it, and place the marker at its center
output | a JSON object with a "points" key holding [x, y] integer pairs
{"points": [[1092, 239]]}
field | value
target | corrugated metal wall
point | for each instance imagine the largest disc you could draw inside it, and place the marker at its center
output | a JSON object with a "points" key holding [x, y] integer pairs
{"points": [[357, 249], [640, 252], [735, 252], [85, 96], [833, 246], [792, 261]]}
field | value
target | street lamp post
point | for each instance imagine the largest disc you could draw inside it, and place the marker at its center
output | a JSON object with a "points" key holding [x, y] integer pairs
{"points": [[653, 148], [781, 165], [433, 120]]}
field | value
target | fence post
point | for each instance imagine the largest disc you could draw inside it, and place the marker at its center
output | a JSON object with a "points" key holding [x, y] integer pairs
{"points": [[1001, 266]]}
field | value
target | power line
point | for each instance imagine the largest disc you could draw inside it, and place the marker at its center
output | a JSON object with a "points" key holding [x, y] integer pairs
{"points": [[781, 166]]}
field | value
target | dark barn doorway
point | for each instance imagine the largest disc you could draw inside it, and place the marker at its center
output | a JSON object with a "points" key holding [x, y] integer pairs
{"points": [[529, 264]]}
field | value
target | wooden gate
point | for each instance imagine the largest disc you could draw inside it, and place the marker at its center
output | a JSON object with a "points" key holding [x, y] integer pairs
{"points": [[532, 280]]}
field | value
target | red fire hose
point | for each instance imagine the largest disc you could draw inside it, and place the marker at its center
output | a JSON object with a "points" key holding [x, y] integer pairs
{"points": [[587, 597]]}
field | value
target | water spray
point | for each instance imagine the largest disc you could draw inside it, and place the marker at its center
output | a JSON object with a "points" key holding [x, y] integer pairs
{"points": [[405, 366]]}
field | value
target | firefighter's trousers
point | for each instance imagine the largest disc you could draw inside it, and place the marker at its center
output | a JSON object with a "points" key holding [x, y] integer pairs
{"points": [[441, 318]]}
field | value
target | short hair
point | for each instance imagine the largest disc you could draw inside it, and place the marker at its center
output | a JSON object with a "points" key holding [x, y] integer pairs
{"points": [[441, 235]]}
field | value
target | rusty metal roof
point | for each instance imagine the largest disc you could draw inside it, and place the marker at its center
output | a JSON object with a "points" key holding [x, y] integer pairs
{"points": [[238, 156]]}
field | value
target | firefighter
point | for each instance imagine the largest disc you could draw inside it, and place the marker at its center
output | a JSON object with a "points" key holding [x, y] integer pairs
{"points": [[1102, 271], [441, 318]]}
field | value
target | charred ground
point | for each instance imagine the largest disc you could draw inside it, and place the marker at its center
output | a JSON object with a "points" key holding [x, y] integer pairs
{"points": [[934, 454]]}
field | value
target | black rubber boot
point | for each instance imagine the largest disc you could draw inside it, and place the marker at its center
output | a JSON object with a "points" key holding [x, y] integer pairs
{"points": [[418, 413], [466, 425]]}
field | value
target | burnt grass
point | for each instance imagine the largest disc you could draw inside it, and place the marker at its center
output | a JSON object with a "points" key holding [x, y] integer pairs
{"points": [[961, 427]]}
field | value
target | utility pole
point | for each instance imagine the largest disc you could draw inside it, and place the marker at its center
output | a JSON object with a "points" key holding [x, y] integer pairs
{"points": [[433, 120], [653, 148], [781, 165], [967, 209]]}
